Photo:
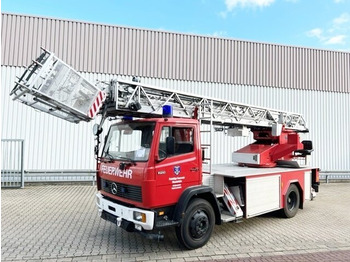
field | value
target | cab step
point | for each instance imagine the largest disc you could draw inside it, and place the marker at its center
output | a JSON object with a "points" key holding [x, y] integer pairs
{"points": [[227, 217]]}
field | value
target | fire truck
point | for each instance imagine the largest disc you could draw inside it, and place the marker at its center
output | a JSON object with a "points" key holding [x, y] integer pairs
{"points": [[154, 167]]}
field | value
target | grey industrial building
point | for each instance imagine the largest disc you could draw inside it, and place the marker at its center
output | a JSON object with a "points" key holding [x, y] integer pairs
{"points": [[313, 82]]}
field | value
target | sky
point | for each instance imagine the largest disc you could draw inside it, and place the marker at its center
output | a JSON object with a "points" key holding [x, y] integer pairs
{"points": [[321, 24]]}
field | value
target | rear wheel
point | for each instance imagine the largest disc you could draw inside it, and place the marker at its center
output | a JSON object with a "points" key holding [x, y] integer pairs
{"points": [[291, 202], [197, 225]]}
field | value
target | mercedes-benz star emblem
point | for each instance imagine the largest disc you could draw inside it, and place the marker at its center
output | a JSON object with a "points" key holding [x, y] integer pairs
{"points": [[114, 188]]}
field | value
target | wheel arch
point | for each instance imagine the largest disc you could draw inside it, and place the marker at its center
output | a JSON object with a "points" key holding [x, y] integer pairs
{"points": [[190, 193]]}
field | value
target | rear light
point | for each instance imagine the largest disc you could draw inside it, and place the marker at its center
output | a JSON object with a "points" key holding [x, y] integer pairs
{"points": [[317, 175]]}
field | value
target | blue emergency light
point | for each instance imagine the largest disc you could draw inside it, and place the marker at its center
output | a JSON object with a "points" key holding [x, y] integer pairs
{"points": [[127, 118], [167, 111]]}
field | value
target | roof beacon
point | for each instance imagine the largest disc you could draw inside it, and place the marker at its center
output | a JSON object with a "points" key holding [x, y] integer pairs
{"points": [[167, 111]]}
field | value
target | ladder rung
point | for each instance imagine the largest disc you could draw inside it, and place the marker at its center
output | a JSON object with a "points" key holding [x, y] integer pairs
{"points": [[36, 62], [207, 158], [206, 172], [20, 94], [205, 131], [205, 145]]}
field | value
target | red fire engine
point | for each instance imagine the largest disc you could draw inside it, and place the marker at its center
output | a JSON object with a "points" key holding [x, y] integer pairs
{"points": [[154, 170]]}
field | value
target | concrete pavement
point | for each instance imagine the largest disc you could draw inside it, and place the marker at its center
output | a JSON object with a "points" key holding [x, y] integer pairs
{"points": [[60, 223]]}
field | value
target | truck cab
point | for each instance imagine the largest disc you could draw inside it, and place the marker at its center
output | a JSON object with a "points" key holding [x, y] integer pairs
{"points": [[146, 165]]}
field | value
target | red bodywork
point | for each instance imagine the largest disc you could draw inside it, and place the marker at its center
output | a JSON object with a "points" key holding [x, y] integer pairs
{"points": [[162, 181], [297, 177], [272, 148]]}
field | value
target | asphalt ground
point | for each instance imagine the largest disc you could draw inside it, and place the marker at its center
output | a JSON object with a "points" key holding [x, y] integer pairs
{"points": [[61, 223]]}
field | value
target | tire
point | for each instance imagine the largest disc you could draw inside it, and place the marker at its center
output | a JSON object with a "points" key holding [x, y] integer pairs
{"points": [[291, 202], [197, 225]]}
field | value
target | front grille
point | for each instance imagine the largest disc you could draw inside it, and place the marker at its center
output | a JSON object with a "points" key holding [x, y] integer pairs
{"points": [[122, 190]]}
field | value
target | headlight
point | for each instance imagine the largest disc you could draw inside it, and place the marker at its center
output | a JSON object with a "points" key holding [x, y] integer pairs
{"points": [[139, 216]]}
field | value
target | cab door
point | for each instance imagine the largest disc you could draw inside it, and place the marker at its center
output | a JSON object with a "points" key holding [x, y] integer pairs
{"points": [[178, 164]]}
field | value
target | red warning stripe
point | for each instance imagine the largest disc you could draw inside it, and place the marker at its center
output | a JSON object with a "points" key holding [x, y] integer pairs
{"points": [[97, 104]]}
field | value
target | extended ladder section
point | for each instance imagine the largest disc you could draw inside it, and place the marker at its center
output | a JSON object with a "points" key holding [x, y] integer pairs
{"points": [[146, 100], [54, 87]]}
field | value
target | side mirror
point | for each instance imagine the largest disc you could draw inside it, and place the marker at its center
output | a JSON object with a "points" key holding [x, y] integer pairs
{"points": [[170, 145], [97, 129]]}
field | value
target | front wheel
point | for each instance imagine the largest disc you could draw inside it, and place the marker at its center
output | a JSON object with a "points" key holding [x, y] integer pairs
{"points": [[291, 202], [197, 225]]}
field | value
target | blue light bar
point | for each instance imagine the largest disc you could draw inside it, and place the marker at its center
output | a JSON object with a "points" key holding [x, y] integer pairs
{"points": [[167, 111]]}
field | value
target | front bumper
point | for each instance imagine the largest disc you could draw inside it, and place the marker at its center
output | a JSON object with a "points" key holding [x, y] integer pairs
{"points": [[125, 213]]}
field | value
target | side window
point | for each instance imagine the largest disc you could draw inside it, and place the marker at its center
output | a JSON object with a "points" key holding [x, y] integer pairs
{"points": [[182, 137], [162, 151]]}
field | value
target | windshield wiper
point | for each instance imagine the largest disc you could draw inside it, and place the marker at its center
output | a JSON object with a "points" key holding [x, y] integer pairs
{"points": [[127, 159], [107, 158]]}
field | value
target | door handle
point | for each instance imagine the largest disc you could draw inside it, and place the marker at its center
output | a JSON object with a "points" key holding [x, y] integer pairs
{"points": [[194, 169]]}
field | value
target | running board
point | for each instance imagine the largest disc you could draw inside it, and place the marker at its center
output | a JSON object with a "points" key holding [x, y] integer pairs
{"points": [[227, 217]]}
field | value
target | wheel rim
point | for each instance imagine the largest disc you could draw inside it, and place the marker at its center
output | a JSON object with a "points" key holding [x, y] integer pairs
{"points": [[291, 201], [199, 224]]}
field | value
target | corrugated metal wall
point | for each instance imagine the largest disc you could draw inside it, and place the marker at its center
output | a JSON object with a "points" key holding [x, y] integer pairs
{"points": [[110, 49], [51, 143]]}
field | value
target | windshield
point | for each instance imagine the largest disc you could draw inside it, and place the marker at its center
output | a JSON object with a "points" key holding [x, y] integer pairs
{"points": [[129, 141]]}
